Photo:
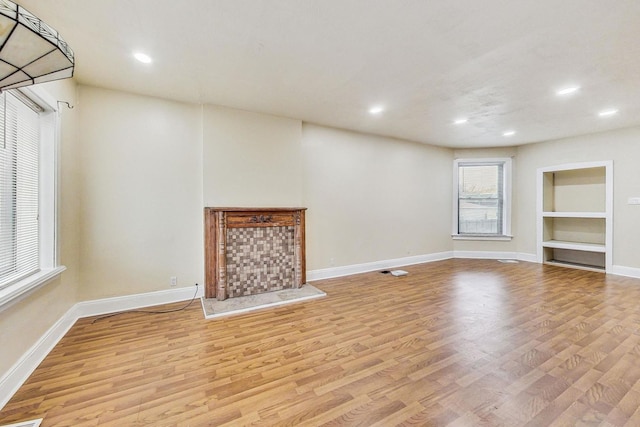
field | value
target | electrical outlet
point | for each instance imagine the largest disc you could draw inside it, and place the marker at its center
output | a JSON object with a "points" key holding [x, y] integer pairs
{"points": [[633, 200], [173, 281]]}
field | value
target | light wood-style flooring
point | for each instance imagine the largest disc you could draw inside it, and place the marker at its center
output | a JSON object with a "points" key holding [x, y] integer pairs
{"points": [[454, 343]]}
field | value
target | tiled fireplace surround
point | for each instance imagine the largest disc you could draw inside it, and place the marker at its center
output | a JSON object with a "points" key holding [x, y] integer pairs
{"points": [[253, 250]]}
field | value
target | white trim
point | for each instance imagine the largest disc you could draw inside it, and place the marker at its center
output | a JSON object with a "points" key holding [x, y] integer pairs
{"points": [[539, 216], [485, 255], [131, 302], [580, 165], [609, 217], [347, 270], [12, 294], [522, 256], [481, 237], [13, 379], [620, 270]]}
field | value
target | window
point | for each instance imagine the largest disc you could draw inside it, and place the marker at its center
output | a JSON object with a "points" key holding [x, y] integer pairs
{"points": [[27, 192], [482, 199]]}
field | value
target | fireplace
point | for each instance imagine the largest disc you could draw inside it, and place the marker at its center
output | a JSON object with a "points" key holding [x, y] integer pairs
{"points": [[253, 250]]}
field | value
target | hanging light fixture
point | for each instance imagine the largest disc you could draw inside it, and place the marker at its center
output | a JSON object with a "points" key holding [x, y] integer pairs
{"points": [[30, 51]]}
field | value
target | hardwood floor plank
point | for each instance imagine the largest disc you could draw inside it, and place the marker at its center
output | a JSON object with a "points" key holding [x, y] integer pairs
{"points": [[454, 343]]}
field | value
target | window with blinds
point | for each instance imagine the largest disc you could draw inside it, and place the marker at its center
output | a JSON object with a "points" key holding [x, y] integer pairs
{"points": [[482, 197], [19, 188]]}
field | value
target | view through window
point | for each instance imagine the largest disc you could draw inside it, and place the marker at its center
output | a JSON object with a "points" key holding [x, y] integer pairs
{"points": [[482, 198]]}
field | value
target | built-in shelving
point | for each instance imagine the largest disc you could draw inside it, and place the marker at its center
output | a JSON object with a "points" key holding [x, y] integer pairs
{"points": [[575, 203], [574, 246], [574, 214]]}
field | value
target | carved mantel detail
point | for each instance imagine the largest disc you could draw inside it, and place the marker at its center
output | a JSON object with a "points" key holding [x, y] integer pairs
{"points": [[253, 250], [261, 218]]}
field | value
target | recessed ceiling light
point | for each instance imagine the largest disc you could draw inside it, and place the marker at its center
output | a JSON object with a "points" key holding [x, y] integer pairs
{"points": [[460, 121], [609, 112], [568, 90], [509, 133], [376, 110], [142, 57]]}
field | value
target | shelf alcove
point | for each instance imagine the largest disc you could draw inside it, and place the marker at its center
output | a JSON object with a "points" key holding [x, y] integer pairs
{"points": [[575, 226]]}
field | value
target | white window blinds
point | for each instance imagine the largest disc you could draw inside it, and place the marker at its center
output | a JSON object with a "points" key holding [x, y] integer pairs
{"points": [[19, 184]]}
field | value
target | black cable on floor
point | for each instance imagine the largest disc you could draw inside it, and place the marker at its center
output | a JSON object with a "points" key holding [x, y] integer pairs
{"points": [[106, 316]]}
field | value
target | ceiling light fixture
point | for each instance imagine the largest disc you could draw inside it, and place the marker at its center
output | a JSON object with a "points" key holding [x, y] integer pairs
{"points": [[460, 121], [376, 110], [142, 57], [609, 112], [31, 51], [509, 133], [568, 90]]}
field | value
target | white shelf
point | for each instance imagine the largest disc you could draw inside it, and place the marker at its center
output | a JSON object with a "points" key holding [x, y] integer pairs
{"points": [[574, 204], [574, 214], [574, 265], [574, 246]]}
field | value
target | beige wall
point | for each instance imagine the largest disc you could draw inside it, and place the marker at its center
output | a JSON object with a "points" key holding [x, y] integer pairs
{"points": [[141, 193], [25, 321], [250, 159], [621, 146], [372, 198], [137, 171]]}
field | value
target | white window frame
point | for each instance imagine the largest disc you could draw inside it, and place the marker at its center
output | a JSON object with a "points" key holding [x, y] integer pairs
{"points": [[506, 202], [48, 195]]}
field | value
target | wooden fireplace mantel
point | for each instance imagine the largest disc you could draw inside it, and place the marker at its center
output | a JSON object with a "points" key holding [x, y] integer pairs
{"points": [[222, 224]]}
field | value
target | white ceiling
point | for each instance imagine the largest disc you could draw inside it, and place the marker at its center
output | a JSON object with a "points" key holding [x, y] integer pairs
{"points": [[428, 62]]}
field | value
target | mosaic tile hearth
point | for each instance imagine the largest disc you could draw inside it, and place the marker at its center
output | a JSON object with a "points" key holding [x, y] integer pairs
{"points": [[260, 259]]}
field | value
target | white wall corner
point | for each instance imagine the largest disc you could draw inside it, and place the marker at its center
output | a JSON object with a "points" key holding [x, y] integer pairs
{"points": [[620, 270], [347, 270]]}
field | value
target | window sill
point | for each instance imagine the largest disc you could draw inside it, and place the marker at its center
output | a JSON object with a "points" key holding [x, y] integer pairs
{"points": [[18, 289], [481, 237]]}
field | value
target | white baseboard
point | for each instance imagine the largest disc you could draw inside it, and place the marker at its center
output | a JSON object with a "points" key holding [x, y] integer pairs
{"points": [[347, 270], [620, 270], [485, 255], [130, 302], [522, 256], [24, 367], [11, 381]]}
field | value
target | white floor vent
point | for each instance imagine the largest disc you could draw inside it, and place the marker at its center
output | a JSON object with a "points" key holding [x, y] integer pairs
{"points": [[508, 261]]}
